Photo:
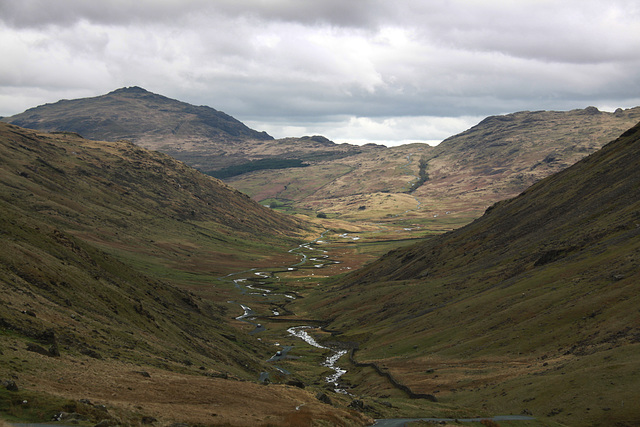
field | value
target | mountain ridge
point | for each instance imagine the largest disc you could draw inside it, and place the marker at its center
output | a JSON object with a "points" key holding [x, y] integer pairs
{"points": [[92, 125], [201, 136], [454, 181]]}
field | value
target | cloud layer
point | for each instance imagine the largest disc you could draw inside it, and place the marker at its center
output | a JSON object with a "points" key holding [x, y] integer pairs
{"points": [[355, 71]]}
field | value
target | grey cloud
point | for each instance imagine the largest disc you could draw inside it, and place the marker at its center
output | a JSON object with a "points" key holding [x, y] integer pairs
{"points": [[35, 13], [328, 61], [39, 13]]}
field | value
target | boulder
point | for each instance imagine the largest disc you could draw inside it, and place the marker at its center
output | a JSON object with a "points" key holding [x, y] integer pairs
{"points": [[9, 385], [322, 397]]}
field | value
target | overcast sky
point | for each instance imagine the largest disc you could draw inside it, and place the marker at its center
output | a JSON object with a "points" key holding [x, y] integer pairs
{"points": [[353, 70]]}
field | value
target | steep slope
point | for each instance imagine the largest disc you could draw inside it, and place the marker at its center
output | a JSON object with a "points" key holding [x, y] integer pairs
{"points": [[100, 244], [532, 307], [123, 196]]}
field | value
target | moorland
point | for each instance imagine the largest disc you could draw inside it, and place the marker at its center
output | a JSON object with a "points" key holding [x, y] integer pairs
{"points": [[493, 274]]}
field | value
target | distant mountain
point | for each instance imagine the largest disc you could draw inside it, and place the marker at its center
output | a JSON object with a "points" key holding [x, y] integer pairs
{"points": [[502, 155], [531, 308], [150, 120], [496, 159], [200, 136]]}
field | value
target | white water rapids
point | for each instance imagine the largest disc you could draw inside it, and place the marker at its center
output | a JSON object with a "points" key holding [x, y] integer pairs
{"points": [[330, 362]]}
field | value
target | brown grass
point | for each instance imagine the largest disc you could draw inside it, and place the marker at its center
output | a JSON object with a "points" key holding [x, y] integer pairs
{"points": [[176, 397]]}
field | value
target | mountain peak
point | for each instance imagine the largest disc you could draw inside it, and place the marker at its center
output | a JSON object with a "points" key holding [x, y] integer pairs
{"points": [[130, 90], [147, 119]]}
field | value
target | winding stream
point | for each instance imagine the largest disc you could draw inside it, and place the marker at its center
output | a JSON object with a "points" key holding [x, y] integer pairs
{"points": [[250, 286]]}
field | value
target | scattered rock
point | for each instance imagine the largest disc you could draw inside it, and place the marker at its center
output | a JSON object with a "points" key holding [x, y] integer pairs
{"points": [[322, 397], [148, 420], [264, 378], [9, 385], [69, 417]]}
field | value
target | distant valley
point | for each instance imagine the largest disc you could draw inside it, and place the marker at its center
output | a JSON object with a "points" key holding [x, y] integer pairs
{"points": [[493, 274]]}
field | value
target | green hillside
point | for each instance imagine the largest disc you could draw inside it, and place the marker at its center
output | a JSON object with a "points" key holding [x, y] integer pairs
{"points": [[532, 308], [109, 256]]}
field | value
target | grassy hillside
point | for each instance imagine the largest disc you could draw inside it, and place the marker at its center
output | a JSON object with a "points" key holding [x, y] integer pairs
{"points": [[129, 199], [108, 260], [532, 308]]}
